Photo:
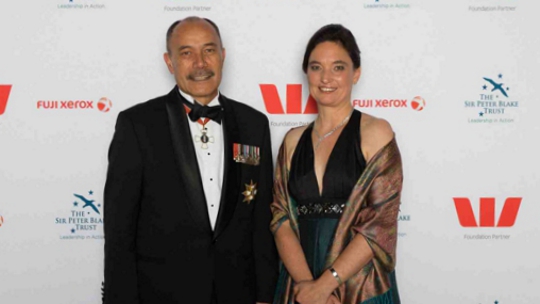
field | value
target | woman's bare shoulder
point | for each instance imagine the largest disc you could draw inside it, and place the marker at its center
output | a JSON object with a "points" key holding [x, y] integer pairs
{"points": [[291, 139], [376, 133]]}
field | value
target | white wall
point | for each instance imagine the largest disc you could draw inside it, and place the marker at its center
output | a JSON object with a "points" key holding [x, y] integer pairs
{"points": [[440, 50]]}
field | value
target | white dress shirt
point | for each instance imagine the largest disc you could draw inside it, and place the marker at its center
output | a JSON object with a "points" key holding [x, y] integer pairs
{"points": [[210, 160]]}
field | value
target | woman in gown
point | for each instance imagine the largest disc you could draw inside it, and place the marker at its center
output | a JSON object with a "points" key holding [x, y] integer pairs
{"points": [[337, 189]]}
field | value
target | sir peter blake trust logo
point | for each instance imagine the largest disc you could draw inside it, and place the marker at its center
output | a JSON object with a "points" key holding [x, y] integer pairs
{"points": [[385, 4], [486, 216], [80, 4], [403, 219], [5, 89], [494, 103], [84, 218]]}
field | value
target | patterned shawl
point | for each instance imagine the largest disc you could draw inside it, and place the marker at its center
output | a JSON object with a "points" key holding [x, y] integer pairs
{"points": [[371, 210]]}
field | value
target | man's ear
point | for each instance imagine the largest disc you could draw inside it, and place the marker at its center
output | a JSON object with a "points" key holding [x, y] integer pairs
{"points": [[168, 62]]}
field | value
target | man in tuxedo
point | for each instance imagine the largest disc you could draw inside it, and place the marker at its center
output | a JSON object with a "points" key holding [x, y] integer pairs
{"points": [[188, 191]]}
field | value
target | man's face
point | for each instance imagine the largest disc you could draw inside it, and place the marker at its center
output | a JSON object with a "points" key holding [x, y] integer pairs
{"points": [[196, 59]]}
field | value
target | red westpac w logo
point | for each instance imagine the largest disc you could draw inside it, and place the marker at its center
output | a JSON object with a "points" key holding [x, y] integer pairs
{"points": [[507, 217], [4, 95], [273, 104]]}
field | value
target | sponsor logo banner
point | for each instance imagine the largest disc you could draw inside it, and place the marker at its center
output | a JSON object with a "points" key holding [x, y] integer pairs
{"points": [[83, 220], [81, 4], [104, 104], [386, 4], [189, 6], [494, 103], [5, 89], [487, 6], [402, 217], [417, 103], [486, 219], [291, 105]]}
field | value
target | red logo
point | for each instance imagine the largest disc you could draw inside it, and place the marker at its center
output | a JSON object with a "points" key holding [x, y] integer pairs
{"points": [[417, 103], [293, 102], [507, 217], [5, 89], [103, 105], [1, 220]]}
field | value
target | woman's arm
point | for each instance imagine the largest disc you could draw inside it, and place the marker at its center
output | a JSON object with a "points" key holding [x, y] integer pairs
{"points": [[355, 256], [291, 253], [288, 244]]}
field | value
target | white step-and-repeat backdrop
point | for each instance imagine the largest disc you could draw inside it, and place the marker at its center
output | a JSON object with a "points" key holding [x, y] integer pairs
{"points": [[456, 79]]}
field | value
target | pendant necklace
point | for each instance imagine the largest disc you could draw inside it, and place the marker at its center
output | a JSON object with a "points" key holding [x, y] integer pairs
{"points": [[321, 138]]}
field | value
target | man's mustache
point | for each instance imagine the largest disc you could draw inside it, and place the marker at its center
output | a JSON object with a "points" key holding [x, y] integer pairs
{"points": [[201, 73]]}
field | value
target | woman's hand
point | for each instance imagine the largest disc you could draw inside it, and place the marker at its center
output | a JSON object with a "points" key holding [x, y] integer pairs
{"points": [[311, 292], [333, 300]]}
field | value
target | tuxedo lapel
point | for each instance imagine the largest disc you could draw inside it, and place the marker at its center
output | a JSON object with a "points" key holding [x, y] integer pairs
{"points": [[231, 175], [186, 160]]}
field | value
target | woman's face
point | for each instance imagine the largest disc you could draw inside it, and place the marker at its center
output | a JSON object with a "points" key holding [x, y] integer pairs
{"points": [[331, 74]]}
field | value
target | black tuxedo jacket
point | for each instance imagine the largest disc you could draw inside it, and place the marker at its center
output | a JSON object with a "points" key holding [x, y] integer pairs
{"points": [[159, 245]]}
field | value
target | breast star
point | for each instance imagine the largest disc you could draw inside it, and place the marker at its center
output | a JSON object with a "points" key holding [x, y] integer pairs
{"points": [[250, 192]]}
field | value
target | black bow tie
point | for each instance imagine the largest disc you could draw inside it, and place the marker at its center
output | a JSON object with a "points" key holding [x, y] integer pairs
{"points": [[198, 111]]}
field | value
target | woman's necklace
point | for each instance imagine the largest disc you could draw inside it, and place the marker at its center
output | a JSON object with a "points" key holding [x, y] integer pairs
{"points": [[321, 138]]}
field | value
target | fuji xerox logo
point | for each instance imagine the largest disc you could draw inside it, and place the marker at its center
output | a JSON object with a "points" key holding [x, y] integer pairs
{"points": [[494, 104], [417, 103], [5, 89], [486, 215], [84, 218], [104, 104]]}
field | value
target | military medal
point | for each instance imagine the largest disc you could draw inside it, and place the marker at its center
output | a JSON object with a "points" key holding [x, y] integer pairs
{"points": [[203, 137], [250, 192], [246, 154]]}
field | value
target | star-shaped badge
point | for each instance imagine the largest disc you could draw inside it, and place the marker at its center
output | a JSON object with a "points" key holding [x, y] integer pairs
{"points": [[250, 192]]}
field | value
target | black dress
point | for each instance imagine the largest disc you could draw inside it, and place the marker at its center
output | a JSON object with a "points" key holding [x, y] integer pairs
{"points": [[318, 215]]}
